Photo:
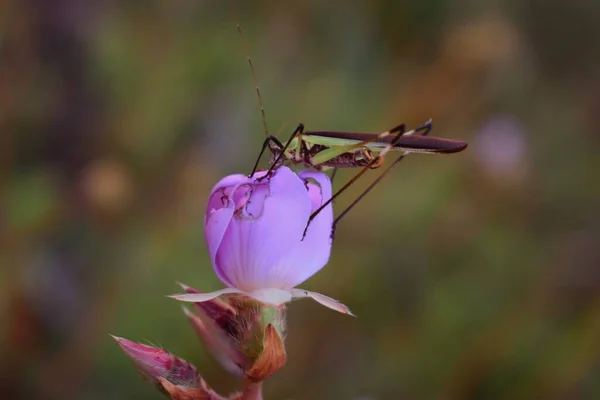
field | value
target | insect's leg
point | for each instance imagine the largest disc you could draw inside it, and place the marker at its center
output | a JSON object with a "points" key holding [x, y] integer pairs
{"points": [[333, 174], [399, 131], [297, 132], [269, 139], [427, 128], [364, 193]]}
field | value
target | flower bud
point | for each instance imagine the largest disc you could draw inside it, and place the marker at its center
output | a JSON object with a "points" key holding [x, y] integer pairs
{"points": [[154, 363], [255, 229], [258, 239], [245, 335]]}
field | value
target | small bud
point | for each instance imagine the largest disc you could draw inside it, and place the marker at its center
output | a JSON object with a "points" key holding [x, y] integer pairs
{"points": [[155, 363], [246, 336], [218, 343], [214, 323]]}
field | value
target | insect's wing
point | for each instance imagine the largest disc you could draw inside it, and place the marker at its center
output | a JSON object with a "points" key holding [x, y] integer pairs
{"points": [[408, 143], [427, 144]]}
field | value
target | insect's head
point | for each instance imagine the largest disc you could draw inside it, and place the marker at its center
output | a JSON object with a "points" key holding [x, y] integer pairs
{"points": [[275, 152]]}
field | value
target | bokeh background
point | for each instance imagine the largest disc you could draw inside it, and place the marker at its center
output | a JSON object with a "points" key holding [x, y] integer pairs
{"points": [[474, 276]]}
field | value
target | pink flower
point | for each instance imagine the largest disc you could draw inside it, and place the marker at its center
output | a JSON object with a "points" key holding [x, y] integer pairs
{"points": [[245, 337], [254, 232]]}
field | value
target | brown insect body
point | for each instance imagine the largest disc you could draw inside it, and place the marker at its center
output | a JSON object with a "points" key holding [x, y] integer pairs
{"points": [[360, 157]]}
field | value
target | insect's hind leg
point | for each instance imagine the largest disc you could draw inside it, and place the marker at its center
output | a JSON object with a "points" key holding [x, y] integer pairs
{"points": [[398, 131], [364, 193], [427, 126]]}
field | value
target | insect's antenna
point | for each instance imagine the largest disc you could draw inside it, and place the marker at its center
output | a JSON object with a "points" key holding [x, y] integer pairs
{"points": [[260, 103]]}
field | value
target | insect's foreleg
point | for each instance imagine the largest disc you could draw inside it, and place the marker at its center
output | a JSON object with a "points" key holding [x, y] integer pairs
{"points": [[399, 130], [265, 144], [297, 132]]}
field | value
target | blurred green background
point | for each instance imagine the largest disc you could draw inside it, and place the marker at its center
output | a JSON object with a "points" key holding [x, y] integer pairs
{"points": [[474, 276]]}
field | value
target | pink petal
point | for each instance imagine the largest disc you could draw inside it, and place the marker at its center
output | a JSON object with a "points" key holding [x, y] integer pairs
{"points": [[215, 200], [220, 210], [254, 252], [274, 297], [201, 297], [317, 197], [322, 299], [214, 230], [307, 257]]}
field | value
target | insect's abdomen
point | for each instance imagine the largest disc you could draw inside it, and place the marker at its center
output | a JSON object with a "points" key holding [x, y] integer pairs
{"points": [[356, 158]]}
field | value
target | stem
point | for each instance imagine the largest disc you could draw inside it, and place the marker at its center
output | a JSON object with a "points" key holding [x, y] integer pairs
{"points": [[252, 391]]}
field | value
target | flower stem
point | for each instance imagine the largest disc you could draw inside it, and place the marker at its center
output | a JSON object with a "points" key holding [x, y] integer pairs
{"points": [[252, 391]]}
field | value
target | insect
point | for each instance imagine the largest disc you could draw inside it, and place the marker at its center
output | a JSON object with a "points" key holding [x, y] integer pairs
{"points": [[323, 150]]}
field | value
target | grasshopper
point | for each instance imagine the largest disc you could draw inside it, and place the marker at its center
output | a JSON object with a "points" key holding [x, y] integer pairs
{"points": [[323, 150]]}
